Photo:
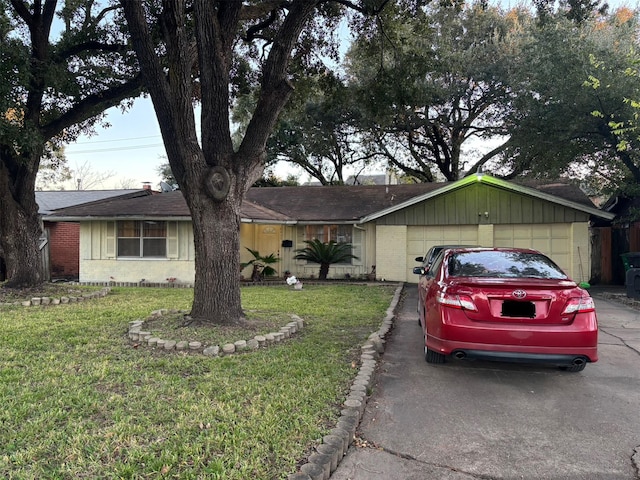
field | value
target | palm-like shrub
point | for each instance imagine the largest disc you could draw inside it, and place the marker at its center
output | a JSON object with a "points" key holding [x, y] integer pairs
{"points": [[261, 265], [325, 253]]}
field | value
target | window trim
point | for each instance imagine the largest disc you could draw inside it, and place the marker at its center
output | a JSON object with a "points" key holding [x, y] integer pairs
{"points": [[141, 238]]}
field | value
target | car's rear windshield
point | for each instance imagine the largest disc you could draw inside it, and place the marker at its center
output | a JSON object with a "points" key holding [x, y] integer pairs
{"points": [[499, 264]]}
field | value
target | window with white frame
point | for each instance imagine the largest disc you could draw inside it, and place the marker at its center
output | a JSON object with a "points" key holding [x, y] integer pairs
{"points": [[142, 239]]}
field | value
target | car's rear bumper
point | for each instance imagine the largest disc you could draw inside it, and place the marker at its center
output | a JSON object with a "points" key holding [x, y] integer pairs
{"points": [[511, 341], [561, 355]]}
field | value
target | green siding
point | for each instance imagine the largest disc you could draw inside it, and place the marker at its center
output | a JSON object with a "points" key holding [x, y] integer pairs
{"points": [[467, 206]]}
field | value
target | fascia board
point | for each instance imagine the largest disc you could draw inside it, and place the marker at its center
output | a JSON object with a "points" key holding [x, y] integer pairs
{"points": [[87, 218]]}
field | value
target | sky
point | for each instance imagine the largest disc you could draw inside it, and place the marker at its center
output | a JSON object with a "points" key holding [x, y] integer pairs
{"points": [[131, 149]]}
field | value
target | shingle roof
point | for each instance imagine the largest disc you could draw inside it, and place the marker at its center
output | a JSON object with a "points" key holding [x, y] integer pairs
{"points": [[52, 200], [305, 203], [337, 203], [168, 204]]}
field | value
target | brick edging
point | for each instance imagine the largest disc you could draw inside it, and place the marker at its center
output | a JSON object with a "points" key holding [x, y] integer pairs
{"points": [[136, 333], [42, 301], [321, 464]]}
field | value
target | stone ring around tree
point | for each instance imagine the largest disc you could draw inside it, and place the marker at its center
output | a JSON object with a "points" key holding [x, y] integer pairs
{"points": [[218, 183]]}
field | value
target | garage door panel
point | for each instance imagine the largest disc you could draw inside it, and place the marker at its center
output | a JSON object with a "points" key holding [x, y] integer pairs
{"points": [[421, 239], [551, 239]]}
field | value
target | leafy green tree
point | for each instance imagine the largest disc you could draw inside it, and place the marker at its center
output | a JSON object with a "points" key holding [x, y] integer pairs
{"points": [[325, 254], [166, 175], [211, 49], [319, 131], [53, 171], [270, 179], [553, 127], [54, 86], [437, 78]]}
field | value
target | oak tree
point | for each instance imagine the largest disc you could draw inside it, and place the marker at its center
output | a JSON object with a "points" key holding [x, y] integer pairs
{"points": [[61, 67], [214, 51]]}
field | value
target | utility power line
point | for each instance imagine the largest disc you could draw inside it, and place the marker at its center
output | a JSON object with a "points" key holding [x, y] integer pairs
{"points": [[115, 149]]}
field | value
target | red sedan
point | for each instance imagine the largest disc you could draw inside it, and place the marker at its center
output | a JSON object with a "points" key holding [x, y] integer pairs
{"points": [[506, 304]]}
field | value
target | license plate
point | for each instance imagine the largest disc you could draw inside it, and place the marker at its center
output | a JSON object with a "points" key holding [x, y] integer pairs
{"points": [[511, 308]]}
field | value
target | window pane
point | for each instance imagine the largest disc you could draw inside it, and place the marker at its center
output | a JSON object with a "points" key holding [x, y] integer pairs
{"points": [[504, 265], [129, 229], [343, 234], [155, 229], [313, 232], [154, 247], [128, 247]]}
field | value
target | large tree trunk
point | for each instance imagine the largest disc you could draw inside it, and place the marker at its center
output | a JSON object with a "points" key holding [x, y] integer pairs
{"points": [[20, 227], [216, 235], [212, 174]]}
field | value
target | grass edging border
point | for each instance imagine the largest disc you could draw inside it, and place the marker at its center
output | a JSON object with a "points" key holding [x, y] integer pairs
{"points": [[47, 301], [137, 334], [321, 464]]}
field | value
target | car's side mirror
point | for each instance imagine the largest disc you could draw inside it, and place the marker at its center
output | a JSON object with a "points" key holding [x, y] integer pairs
{"points": [[419, 270], [420, 259]]}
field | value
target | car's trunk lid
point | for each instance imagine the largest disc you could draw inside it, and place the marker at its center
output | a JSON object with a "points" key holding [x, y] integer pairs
{"points": [[536, 301]]}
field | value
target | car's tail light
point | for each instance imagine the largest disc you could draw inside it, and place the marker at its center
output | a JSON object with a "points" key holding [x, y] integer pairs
{"points": [[579, 305], [465, 302]]}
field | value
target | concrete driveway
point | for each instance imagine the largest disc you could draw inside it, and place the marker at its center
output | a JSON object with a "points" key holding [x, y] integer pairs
{"points": [[482, 420]]}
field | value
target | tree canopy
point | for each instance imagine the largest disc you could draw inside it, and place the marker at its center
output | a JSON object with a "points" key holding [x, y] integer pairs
{"points": [[554, 129], [60, 69]]}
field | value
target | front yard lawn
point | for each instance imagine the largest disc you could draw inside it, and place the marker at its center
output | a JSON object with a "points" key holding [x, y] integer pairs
{"points": [[79, 401]]}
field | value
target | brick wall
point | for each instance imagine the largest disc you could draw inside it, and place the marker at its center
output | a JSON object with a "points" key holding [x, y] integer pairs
{"points": [[64, 249]]}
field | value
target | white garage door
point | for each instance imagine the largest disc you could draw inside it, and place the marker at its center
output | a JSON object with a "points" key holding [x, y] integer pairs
{"points": [[552, 239]]}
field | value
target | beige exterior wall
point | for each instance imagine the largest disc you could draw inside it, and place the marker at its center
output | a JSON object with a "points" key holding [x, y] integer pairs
{"points": [[391, 253], [581, 264], [362, 239], [153, 271], [99, 263]]}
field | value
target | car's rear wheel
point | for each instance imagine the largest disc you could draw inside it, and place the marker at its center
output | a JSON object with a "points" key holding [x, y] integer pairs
{"points": [[431, 356]]}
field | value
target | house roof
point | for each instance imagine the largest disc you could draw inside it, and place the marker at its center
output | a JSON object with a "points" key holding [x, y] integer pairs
{"points": [[561, 193], [336, 203], [315, 204], [52, 200]]}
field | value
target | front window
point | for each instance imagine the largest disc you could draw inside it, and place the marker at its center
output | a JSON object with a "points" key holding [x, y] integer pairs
{"points": [[326, 233], [142, 239]]}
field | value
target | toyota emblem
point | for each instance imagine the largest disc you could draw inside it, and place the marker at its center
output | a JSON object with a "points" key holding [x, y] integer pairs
{"points": [[519, 293]]}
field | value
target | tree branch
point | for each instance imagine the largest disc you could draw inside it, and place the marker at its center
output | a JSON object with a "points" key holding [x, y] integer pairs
{"points": [[93, 105], [90, 46]]}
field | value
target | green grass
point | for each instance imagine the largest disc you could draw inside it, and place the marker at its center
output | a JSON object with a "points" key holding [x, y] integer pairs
{"points": [[78, 401]]}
